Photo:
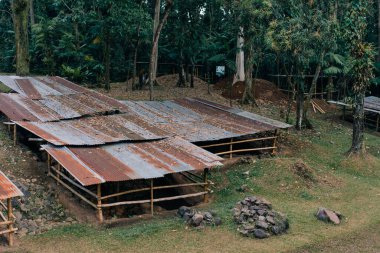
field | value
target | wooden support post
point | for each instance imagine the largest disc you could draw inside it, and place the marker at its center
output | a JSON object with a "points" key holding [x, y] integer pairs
{"points": [[10, 218], [151, 197], [275, 142], [15, 134], [378, 122], [99, 207], [231, 147], [59, 170], [205, 198], [48, 164]]}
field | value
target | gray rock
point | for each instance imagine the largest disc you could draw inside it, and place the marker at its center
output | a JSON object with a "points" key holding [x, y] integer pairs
{"points": [[218, 221], [197, 220], [260, 234], [262, 224]]}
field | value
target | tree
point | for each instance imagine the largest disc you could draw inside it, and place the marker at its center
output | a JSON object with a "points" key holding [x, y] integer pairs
{"points": [[154, 51], [361, 55], [251, 23], [20, 10], [302, 34]]}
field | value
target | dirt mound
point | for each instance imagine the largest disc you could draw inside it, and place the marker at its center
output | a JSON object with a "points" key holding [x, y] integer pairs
{"points": [[172, 80], [263, 90], [304, 171]]}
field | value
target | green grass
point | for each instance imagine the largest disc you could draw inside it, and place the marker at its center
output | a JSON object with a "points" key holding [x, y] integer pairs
{"points": [[349, 185]]}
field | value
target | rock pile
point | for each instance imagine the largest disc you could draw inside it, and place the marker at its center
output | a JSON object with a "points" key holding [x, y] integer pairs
{"points": [[199, 219], [38, 211], [327, 215], [256, 218]]}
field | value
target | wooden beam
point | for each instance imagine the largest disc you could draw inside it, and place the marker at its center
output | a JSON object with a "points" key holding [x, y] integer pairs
{"points": [[133, 202], [10, 226], [231, 147], [246, 150], [237, 142], [275, 142], [75, 192], [205, 197], [99, 206], [151, 197], [74, 183], [14, 134]]}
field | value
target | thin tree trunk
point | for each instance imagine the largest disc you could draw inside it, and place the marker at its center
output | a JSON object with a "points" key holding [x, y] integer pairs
{"points": [[157, 12], [247, 95], [358, 125], [152, 78], [20, 12], [192, 74], [181, 71], [107, 61], [311, 91], [378, 30], [330, 88], [31, 13], [137, 45], [300, 102]]}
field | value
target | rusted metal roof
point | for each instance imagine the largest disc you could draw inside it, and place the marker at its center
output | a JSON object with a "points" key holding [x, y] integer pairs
{"points": [[198, 120], [19, 108], [372, 103], [68, 99], [131, 161], [52, 108], [97, 130], [7, 188]]}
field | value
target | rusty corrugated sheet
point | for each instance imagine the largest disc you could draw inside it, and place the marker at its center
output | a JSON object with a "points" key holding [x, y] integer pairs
{"points": [[198, 120], [28, 88], [97, 130], [7, 188], [372, 103], [19, 108], [131, 161]]}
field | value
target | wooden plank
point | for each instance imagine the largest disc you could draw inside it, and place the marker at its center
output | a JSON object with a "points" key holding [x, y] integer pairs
{"points": [[10, 225], [8, 231], [75, 192], [237, 142], [245, 150], [74, 183], [99, 206], [133, 202]]}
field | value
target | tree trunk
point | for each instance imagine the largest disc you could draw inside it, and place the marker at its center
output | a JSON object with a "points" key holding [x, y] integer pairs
{"points": [[192, 74], [247, 95], [31, 13], [311, 91], [134, 68], [240, 75], [181, 72], [152, 78], [20, 12], [156, 22], [107, 61], [330, 88], [300, 102], [378, 30], [358, 125]]}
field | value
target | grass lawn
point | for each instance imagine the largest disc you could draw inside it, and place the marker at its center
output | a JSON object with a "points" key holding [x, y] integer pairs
{"points": [[348, 185]]}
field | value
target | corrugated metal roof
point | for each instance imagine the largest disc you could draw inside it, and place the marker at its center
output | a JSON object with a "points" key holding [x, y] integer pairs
{"points": [[7, 188], [66, 96], [372, 103], [97, 130], [131, 161], [199, 120]]}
